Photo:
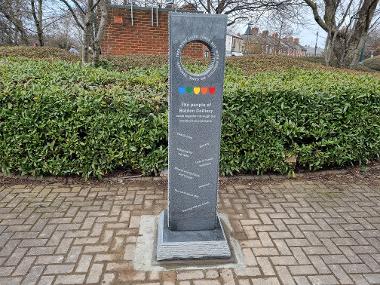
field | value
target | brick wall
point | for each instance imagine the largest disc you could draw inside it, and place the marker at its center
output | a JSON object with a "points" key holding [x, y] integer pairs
{"points": [[123, 38]]}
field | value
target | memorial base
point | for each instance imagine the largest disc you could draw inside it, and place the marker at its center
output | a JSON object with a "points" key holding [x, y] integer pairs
{"points": [[174, 245]]}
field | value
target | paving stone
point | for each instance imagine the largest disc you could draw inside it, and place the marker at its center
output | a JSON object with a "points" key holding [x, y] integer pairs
{"points": [[40, 250], [49, 259], [302, 270], [73, 254], [206, 282], [265, 281], [370, 262], [291, 232], [46, 280], [323, 279], [6, 271], [319, 264], [283, 260], [95, 273], [108, 279], [249, 257], [340, 274], [301, 280], [284, 275], [70, 279], [129, 252], [266, 266], [59, 269], [212, 274], [84, 263], [64, 246], [10, 280], [95, 248], [373, 278], [24, 265], [34, 274], [186, 275], [227, 277], [16, 256], [356, 268]]}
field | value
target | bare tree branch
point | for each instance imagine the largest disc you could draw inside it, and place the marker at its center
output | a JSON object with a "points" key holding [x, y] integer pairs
{"points": [[71, 9]]}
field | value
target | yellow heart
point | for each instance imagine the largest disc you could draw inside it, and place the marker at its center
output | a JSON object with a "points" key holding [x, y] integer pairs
{"points": [[197, 90]]}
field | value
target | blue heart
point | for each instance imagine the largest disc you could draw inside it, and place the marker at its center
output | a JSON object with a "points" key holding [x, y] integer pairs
{"points": [[181, 90]]}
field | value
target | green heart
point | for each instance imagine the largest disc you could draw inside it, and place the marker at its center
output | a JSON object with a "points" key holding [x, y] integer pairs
{"points": [[189, 90]]}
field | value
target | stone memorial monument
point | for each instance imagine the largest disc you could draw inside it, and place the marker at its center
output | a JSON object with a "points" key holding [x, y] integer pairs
{"points": [[190, 227]]}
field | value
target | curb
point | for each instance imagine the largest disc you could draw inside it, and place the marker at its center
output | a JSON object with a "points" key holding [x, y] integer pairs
{"points": [[137, 178]]}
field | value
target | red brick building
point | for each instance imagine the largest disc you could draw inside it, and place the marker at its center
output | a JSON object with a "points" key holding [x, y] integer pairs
{"points": [[140, 30]]}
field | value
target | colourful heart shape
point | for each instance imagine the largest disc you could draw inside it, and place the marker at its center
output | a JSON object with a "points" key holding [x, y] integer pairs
{"points": [[212, 90], [197, 90], [204, 90], [181, 90], [189, 90]]}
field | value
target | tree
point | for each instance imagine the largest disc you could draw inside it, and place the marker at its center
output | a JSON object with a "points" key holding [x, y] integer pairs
{"points": [[37, 13], [373, 43], [282, 26], [26, 21], [239, 10], [12, 15], [91, 18], [347, 24]]}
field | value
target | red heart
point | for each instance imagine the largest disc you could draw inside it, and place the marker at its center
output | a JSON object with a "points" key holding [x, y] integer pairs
{"points": [[212, 90], [204, 90]]}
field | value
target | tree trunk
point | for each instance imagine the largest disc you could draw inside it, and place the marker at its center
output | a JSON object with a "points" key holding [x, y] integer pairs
{"points": [[86, 41], [360, 31], [357, 50], [103, 14], [19, 27], [37, 17], [327, 54], [40, 31], [92, 20]]}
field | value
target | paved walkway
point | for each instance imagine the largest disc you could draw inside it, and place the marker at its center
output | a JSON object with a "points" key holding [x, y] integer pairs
{"points": [[303, 231]]}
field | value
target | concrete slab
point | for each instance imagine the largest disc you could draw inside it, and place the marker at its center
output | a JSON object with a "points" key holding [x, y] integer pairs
{"points": [[181, 245], [145, 253]]}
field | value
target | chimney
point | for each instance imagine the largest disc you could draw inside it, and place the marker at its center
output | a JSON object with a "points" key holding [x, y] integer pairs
{"points": [[189, 7], [296, 41], [118, 20], [255, 31], [169, 4], [265, 33], [290, 39], [275, 35]]}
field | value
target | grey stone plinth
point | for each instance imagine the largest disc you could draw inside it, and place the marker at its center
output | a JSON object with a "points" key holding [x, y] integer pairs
{"points": [[173, 245], [195, 123]]}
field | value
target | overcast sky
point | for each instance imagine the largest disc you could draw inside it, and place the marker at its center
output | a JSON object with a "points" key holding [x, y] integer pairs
{"points": [[308, 33]]}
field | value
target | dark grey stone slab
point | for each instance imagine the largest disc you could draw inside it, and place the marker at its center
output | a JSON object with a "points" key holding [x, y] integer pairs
{"points": [[190, 244], [190, 228], [195, 107]]}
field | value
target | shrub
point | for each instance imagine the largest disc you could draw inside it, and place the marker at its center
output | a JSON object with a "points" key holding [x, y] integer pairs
{"points": [[373, 63], [321, 119], [37, 53], [60, 118], [126, 63]]}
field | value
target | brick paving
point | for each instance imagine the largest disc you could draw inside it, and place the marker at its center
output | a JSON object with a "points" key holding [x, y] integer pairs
{"points": [[302, 231]]}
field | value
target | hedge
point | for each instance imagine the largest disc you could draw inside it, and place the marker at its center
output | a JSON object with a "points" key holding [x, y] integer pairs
{"points": [[58, 118], [373, 63], [46, 53]]}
